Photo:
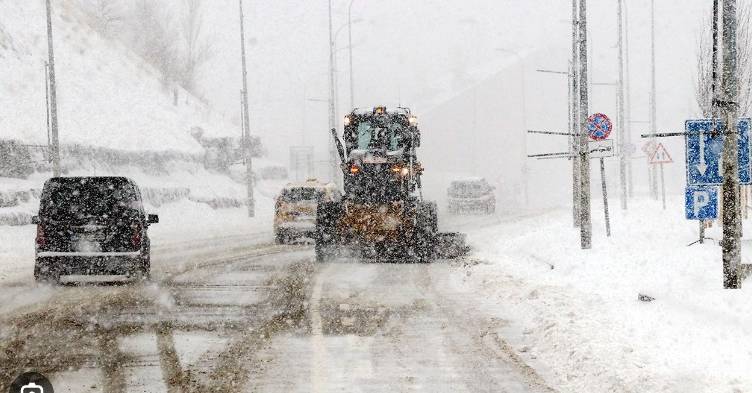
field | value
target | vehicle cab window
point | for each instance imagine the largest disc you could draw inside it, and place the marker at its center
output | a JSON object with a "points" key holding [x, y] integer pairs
{"points": [[365, 134]]}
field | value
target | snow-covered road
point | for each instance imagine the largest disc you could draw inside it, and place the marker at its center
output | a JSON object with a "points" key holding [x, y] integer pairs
{"points": [[394, 327], [237, 313], [234, 312]]}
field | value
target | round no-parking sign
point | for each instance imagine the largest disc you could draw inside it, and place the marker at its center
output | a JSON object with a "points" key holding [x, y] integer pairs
{"points": [[599, 126]]}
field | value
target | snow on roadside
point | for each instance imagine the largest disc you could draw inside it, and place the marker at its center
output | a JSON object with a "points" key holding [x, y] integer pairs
{"points": [[582, 319], [108, 97]]}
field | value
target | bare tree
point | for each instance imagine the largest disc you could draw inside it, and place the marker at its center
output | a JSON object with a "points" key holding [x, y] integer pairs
{"points": [[197, 49], [105, 14], [170, 37], [153, 37], [703, 86]]}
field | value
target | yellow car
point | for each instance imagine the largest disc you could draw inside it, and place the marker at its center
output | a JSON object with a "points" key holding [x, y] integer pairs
{"points": [[295, 209]]}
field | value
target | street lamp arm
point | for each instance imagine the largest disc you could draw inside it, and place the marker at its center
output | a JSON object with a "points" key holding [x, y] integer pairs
{"points": [[350, 58], [554, 72]]}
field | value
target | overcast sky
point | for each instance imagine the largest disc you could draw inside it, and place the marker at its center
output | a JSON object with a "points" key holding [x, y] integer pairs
{"points": [[416, 52]]}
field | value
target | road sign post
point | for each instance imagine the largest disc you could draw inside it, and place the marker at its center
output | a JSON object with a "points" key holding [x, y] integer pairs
{"points": [[701, 203], [586, 225], [660, 156], [601, 149], [704, 142], [599, 127], [605, 197]]}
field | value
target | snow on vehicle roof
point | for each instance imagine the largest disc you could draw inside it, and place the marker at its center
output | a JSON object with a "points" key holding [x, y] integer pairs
{"points": [[389, 110], [310, 183], [472, 179]]}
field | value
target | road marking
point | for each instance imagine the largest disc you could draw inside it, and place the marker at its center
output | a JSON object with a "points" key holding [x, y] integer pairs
{"points": [[702, 166], [169, 361], [318, 358]]}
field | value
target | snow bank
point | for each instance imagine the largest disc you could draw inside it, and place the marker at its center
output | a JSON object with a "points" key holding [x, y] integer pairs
{"points": [[582, 318]]}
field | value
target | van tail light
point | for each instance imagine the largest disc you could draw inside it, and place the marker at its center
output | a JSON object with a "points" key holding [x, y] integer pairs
{"points": [[136, 236], [41, 239]]}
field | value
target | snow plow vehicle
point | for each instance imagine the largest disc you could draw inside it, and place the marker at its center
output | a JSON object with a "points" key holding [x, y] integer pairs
{"points": [[382, 211]]}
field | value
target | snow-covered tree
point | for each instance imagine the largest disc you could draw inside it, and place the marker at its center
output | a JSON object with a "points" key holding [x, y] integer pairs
{"points": [[703, 85]]}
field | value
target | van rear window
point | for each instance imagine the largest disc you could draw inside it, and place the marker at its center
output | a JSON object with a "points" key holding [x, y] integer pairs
{"points": [[301, 194], [461, 189], [87, 199]]}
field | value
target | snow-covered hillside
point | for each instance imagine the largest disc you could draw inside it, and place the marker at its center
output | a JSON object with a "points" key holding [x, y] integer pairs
{"points": [[107, 96]]}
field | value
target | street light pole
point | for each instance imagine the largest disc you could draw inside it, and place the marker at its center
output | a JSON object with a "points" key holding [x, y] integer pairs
{"points": [[586, 227], [620, 113], [575, 123], [731, 208], [653, 126], [628, 102], [246, 144], [55, 141], [349, 43], [334, 172]]}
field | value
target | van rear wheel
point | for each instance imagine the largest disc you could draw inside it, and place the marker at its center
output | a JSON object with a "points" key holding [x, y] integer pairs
{"points": [[142, 272], [45, 274]]}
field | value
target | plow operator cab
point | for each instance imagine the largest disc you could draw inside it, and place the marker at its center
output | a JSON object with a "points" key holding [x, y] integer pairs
{"points": [[382, 211]]}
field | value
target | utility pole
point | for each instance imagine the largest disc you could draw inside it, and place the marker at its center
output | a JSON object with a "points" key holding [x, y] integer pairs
{"points": [[731, 208], [242, 125], [55, 141], [47, 103], [575, 123], [246, 143], [334, 170], [653, 126], [628, 100], [586, 227], [350, 48], [620, 113]]}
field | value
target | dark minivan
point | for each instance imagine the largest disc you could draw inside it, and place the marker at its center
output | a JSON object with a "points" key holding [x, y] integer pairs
{"points": [[91, 226]]}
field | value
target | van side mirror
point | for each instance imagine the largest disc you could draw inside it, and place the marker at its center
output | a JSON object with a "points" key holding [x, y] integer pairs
{"points": [[152, 219], [35, 220]]}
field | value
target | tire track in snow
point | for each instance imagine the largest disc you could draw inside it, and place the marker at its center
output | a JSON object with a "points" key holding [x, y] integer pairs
{"points": [[493, 347], [110, 361], [318, 360]]}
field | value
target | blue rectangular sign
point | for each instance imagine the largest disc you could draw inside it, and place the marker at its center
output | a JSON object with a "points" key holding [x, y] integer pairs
{"points": [[704, 150], [701, 203]]}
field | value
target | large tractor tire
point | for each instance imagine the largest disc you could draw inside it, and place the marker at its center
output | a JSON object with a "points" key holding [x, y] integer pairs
{"points": [[328, 215], [280, 237], [426, 230], [491, 207], [450, 245]]}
